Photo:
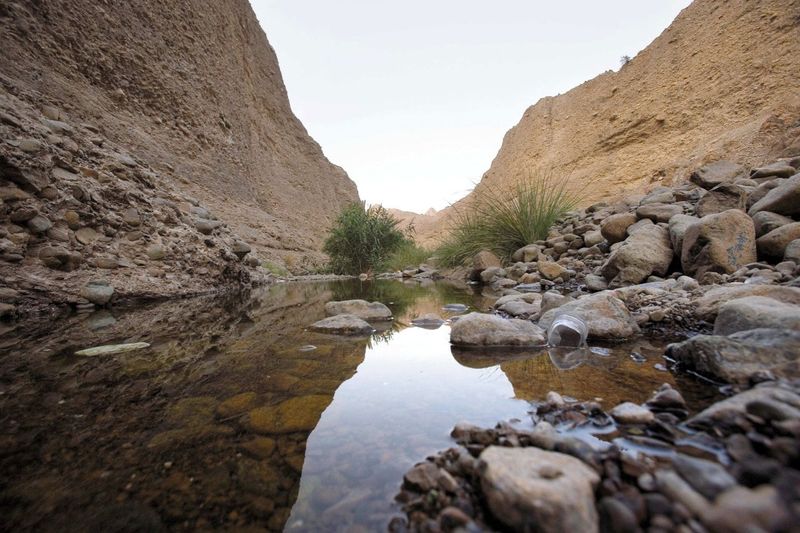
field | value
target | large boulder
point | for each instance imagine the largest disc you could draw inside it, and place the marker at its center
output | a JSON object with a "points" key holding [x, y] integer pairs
{"points": [[765, 222], [774, 243], [735, 358], [721, 198], [647, 251], [614, 228], [707, 306], [483, 330], [783, 199], [529, 489], [343, 325], [754, 312], [659, 212], [605, 315], [677, 229], [481, 261], [722, 242], [779, 397], [716, 173], [778, 169], [361, 308]]}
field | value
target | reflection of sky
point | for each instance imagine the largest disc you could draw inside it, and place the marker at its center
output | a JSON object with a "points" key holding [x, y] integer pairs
{"points": [[399, 407]]}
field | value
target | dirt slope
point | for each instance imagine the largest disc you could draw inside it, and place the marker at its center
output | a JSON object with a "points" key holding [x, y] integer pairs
{"points": [[721, 82], [191, 89]]}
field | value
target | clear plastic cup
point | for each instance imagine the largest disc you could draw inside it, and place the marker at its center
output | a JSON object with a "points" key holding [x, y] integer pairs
{"points": [[567, 330]]}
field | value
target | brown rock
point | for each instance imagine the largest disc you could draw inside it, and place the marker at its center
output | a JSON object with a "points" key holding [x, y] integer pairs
{"points": [[614, 228], [721, 198], [721, 243], [774, 243]]}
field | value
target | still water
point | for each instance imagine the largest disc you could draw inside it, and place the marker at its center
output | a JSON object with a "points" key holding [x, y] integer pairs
{"points": [[236, 417]]}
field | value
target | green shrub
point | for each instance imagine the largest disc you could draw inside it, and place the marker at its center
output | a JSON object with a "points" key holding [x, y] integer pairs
{"points": [[362, 239], [503, 222], [408, 255]]}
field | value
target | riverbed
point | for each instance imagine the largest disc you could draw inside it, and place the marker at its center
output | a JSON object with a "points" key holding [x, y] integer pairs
{"points": [[173, 436]]}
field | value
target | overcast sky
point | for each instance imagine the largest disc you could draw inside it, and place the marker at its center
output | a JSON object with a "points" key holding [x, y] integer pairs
{"points": [[413, 98]]}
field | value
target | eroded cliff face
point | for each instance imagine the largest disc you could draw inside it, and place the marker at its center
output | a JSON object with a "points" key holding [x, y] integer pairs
{"points": [[720, 82], [192, 92]]}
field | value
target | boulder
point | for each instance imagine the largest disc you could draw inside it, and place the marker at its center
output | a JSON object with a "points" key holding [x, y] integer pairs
{"points": [[98, 292], [735, 358], [529, 489], [792, 252], [648, 251], [765, 222], [659, 212], [721, 198], [716, 173], [708, 305], [343, 325], [783, 199], [779, 169], [721, 243], [360, 308], [774, 243], [614, 228], [752, 312], [527, 253], [784, 402], [605, 315], [552, 271], [481, 261], [677, 229], [480, 329]]}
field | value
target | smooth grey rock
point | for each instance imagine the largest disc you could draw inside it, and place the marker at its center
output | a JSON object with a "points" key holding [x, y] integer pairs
{"points": [[706, 477], [735, 358], [605, 315], [343, 325], [480, 329], [783, 199], [630, 413], [360, 308], [98, 292], [753, 312], [779, 169], [528, 489], [520, 308]]}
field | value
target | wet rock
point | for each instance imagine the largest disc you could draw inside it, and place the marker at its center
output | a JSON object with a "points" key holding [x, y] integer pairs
{"points": [[765, 222], [343, 325], [709, 304], [721, 243], [428, 321], [260, 447], [707, 478], [98, 292], [605, 315], [721, 198], [783, 199], [480, 329], [784, 402], [296, 414], [237, 404], [737, 357], [112, 349], [647, 251], [658, 212], [630, 413], [742, 510], [360, 308], [754, 312], [614, 228], [774, 243], [530, 489], [423, 477], [711, 175]]}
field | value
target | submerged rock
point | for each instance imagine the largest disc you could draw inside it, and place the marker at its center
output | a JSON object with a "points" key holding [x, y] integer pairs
{"points": [[428, 321], [360, 308], [480, 329], [296, 414], [529, 489], [738, 356], [343, 325]]}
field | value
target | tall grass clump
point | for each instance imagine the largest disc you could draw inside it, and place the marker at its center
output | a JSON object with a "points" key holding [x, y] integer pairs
{"points": [[362, 239], [504, 221]]}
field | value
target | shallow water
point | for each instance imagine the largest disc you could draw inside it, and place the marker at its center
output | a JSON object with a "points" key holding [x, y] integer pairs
{"points": [[320, 429]]}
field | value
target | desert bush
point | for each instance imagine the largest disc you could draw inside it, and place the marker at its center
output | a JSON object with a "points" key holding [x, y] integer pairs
{"points": [[504, 221], [362, 239], [408, 255]]}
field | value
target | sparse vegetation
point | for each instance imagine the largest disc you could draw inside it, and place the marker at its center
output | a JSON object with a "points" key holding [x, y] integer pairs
{"points": [[624, 60], [362, 239], [503, 221], [408, 255]]}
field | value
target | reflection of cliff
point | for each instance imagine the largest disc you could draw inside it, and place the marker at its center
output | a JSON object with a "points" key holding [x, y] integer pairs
{"points": [[182, 434]]}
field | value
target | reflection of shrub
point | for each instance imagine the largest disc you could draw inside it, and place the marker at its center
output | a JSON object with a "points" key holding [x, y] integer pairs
{"points": [[362, 239], [504, 222]]}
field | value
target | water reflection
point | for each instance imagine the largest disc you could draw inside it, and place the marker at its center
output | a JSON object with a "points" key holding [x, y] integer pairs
{"points": [[236, 416]]}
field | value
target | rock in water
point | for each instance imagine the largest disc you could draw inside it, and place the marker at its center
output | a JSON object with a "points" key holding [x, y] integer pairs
{"points": [[343, 325], [529, 489], [360, 308], [630, 413], [111, 349], [480, 329], [722, 243]]}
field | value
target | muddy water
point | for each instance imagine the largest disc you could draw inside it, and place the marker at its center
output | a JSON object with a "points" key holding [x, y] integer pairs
{"points": [[236, 416]]}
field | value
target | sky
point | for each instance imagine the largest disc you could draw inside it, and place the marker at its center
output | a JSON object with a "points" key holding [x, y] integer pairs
{"points": [[413, 98]]}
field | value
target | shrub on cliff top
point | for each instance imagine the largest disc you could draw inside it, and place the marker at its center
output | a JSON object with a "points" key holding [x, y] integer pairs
{"points": [[503, 221], [362, 239]]}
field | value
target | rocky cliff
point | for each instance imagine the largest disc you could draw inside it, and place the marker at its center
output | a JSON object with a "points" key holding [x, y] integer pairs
{"points": [[110, 108], [720, 82]]}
